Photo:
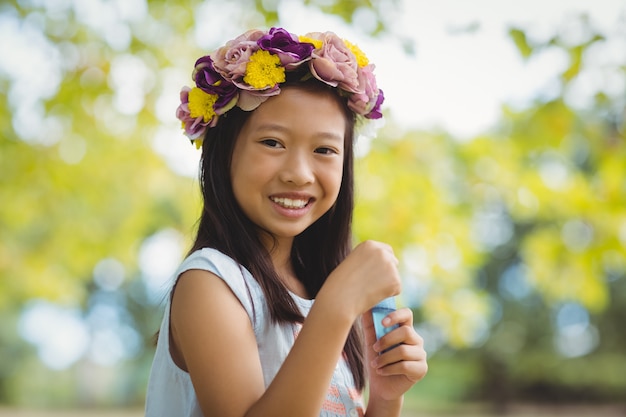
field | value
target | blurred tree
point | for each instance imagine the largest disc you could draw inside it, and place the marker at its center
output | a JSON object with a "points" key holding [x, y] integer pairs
{"points": [[87, 148], [80, 171], [559, 172], [512, 243], [515, 240]]}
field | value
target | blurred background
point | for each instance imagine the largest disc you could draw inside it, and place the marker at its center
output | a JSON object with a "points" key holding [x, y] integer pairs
{"points": [[498, 175]]}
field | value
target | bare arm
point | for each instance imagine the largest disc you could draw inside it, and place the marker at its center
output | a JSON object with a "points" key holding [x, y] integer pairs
{"points": [[212, 339], [215, 340]]}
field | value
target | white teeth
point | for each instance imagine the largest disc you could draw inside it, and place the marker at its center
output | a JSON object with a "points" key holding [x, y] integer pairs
{"points": [[289, 203]]}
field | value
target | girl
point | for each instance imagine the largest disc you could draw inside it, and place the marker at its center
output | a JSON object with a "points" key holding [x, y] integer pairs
{"points": [[269, 314]]}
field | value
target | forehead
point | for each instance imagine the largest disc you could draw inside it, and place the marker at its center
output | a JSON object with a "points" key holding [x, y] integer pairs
{"points": [[300, 110]]}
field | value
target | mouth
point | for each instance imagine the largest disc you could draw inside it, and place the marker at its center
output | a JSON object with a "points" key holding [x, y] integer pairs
{"points": [[291, 203]]}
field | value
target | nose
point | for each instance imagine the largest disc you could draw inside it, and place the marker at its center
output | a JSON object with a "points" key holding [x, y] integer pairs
{"points": [[297, 168]]}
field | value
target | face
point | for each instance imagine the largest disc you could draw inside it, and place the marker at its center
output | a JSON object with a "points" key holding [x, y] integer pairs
{"points": [[288, 160]]}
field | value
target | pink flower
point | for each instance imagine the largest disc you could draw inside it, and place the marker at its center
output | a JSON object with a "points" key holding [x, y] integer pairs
{"points": [[333, 63], [194, 127], [232, 59], [250, 100], [369, 98]]}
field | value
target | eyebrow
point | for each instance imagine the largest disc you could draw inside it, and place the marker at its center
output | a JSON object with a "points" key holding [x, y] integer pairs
{"points": [[280, 128]]}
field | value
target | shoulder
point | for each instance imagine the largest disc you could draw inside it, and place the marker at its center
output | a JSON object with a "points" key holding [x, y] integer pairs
{"points": [[217, 263], [200, 292], [206, 270], [211, 260]]}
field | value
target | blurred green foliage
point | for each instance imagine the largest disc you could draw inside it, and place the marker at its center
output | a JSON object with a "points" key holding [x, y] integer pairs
{"points": [[513, 244]]}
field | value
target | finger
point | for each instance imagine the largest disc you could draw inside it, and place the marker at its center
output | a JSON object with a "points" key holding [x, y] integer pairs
{"points": [[389, 249], [402, 316], [403, 335], [401, 353], [412, 370], [398, 359]]}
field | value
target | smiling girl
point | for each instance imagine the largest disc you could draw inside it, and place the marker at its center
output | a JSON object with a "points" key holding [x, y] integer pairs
{"points": [[269, 314]]}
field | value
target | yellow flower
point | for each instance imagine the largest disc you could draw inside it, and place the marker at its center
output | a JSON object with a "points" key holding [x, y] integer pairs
{"points": [[201, 104], [361, 59], [264, 70], [316, 42]]}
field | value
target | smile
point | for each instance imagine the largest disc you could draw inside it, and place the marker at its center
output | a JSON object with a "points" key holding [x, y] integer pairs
{"points": [[290, 203]]}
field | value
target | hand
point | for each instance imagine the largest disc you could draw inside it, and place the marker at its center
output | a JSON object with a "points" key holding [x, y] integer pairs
{"points": [[366, 276], [392, 373]]}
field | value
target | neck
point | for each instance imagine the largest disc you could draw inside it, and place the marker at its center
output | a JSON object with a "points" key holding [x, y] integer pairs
{"points": [[280, 252]]}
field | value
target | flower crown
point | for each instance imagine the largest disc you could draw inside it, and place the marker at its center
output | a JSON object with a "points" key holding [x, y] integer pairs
{"points": [[250, 68]]}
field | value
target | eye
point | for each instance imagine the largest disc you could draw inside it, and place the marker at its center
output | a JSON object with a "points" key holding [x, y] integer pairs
{"points": [[325, 150], [271, 143]]}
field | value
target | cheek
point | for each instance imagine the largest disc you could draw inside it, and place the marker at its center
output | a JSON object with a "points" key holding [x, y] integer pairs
{"points": [[246, 166], [332, 178]]}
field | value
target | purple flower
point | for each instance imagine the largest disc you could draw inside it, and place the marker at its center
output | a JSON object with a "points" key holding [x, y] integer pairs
{"points": [[286, 45], [232, 59], [376, 113], [334, 63], [212, 82]]}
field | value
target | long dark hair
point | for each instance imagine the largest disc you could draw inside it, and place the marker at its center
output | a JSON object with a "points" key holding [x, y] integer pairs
{"points": [[315, 252]]}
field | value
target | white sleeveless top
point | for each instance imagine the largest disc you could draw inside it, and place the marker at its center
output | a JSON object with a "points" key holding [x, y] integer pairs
{"points": [[170, 392]]}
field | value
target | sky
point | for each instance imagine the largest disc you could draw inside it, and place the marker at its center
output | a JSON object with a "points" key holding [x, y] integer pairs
{"points": [[458, 78]]}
